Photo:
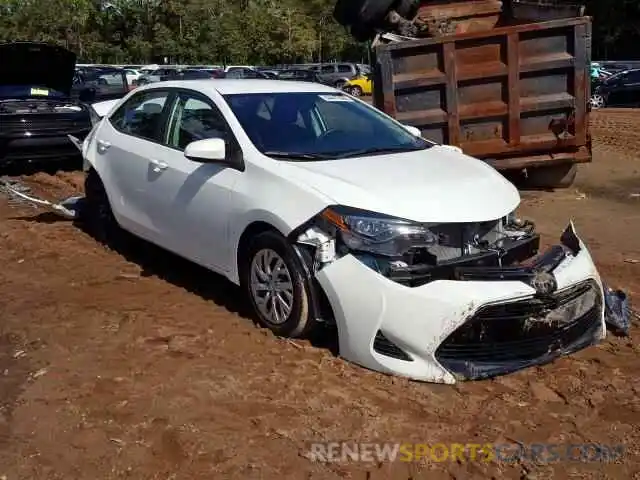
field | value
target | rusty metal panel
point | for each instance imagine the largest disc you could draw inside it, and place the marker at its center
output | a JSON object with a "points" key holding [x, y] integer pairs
{"points": [[513, 92]]}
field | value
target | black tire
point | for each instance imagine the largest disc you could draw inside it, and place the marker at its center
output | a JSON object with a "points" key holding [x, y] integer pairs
{"points": [[299, 322], [339, 84], [553, 176], [362, 33], [96, 216], [343, 13], [363, 12], [407, 8], [356, 91], [373, 12]]}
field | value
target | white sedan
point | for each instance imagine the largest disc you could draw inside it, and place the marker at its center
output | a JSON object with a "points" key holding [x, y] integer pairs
{"points": [[326, 210]]}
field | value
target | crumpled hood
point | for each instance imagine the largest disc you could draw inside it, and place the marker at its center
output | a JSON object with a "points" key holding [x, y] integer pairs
{"points": [[438, 185], [37, 64]]}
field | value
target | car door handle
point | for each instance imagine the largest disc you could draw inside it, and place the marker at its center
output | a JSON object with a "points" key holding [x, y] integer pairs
{"points": [[102, 144], [158, 166]]}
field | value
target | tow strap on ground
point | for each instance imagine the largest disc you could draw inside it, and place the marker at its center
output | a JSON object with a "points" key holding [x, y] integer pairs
{"points": [[68, 208]]}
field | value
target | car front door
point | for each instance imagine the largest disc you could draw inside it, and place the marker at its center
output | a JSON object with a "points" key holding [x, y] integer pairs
{"points": [[192, 200], [632, 88], [619, 89], [126, 144]]}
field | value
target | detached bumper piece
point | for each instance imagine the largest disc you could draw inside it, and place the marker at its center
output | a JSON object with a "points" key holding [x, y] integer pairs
{"points": [[503, 338]]}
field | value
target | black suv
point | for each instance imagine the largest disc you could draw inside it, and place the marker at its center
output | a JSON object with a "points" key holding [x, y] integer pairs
{"points": [[37, 109], [620, 89]]}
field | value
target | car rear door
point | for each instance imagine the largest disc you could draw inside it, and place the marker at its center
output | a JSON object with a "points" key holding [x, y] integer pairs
{"points": [[126, 145]]}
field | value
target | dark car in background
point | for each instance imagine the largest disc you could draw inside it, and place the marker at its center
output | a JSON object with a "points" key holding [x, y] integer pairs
{"points": [[300, 75], [164, 75], [619, 89], [95, 84], [244, 72], [37, 106]]}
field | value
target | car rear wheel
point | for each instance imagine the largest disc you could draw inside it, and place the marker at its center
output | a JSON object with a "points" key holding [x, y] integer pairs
{"points": [[356, 91], [272, 278], [96, 215]]}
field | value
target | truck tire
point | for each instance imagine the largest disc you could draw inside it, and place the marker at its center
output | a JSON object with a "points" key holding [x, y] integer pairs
{"points": [[373, 12], [361, 12], [553, 176], [407, 8], [362, 33], [343, 13]]}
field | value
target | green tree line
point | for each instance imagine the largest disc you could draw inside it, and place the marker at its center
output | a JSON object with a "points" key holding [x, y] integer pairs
{"points": [[235, 31]]}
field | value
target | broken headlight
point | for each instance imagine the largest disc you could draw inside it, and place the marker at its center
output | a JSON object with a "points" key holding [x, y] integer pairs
{"points": [[378, 234]]}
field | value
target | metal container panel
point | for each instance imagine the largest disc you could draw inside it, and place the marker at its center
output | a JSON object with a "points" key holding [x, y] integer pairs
{"points": [[508, 94]]}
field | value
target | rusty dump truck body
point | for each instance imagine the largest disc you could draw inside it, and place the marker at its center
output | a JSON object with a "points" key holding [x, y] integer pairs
{"points": [[515, 96]]}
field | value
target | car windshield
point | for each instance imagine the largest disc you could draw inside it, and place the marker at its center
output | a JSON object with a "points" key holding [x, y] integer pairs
{"points": [[318, 126]]}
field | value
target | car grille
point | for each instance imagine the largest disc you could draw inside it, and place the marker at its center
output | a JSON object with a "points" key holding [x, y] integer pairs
{"points": [[506, 337], [59, 123]]}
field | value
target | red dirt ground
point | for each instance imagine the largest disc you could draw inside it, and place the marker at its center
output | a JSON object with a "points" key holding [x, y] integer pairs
{"points": [[143, 368]]}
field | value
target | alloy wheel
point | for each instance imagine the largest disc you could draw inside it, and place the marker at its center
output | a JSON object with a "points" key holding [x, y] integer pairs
{"points": [[271, 286], [596, 101]]}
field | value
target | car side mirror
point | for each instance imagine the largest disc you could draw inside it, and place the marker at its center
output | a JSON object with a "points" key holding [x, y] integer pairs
{"points": [[207, 150], [415, 131]]}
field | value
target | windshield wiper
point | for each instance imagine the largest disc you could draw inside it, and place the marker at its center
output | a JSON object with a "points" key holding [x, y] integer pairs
{"points": [[372, 150], [298, 155]]}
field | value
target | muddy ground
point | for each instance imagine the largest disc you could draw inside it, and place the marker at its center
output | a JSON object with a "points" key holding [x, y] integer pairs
{"points": [[147, 367]]}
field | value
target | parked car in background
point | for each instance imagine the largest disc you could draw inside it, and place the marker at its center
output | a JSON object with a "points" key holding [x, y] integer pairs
{"points": [[101, 83], [244, 72], [619, 89], [361, 85], [37, 106], [156, 75], [337, 74], [270, 72], [132, 75], [300, 75]]}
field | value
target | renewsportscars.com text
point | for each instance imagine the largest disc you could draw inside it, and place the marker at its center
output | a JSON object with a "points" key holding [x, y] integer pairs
{"points": [[343, 452]]}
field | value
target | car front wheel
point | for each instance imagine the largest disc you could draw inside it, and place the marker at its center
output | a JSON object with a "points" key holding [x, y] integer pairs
{"points": [[273, 280], [597, 101], [355, 91]]}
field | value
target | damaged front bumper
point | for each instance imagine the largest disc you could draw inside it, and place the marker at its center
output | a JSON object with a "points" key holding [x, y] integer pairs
{"points": [[485, 322]]}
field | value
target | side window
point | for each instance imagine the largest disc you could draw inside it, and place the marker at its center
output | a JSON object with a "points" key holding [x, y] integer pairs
{"points": [[327, 69], [141, 116], [194, 119], [235, 73], [345, 69], [634, 76]]}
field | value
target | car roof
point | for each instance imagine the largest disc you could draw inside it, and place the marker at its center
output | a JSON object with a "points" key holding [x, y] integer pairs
{"points": [[240, 86]]}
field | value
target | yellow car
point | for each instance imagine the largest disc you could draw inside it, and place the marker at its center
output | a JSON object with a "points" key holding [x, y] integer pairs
{"points": [[359, 86]]}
